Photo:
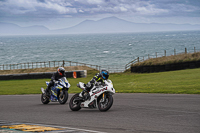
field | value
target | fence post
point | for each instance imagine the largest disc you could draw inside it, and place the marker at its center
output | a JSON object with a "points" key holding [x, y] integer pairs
{"points": [[148, 56], [138, 59], [194, 50], [174, 51], [156, 54], [63, 63], [165, 52], [185, 50]]}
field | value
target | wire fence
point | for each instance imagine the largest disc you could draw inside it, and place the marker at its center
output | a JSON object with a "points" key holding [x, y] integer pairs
{"points": [[48, 64], [32, 65], [157, 54]]}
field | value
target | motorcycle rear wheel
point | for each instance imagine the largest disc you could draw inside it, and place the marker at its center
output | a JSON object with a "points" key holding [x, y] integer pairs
{"points": [[75, 104], [63, 97], [44, 99], [106, 105]]}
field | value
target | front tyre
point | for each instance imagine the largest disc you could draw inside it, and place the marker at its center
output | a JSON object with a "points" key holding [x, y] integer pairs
{"points": [[75, 103], [63, 97], [106, 104], [44, 99]]}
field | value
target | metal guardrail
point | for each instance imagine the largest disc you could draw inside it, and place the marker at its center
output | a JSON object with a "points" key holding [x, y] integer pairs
{"points": [[69, 74]]}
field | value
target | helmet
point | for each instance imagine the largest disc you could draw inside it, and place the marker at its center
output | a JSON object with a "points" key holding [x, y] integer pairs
{"points": [[61, 71], [105, 74]]}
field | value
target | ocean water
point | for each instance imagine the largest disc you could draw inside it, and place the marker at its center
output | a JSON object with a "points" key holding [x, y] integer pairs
{"points": [[97, 49]]}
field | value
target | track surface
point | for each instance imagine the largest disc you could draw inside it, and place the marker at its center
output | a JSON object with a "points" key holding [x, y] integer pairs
{"points": [[137, 113]]}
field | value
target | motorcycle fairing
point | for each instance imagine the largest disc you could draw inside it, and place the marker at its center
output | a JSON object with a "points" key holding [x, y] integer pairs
{"points": [[56, 88], [95, 92]]}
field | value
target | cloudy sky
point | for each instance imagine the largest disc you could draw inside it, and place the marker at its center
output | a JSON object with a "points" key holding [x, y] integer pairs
{"points": [[55, 14]]}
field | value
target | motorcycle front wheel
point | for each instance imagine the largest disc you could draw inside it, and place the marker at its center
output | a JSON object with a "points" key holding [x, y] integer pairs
{"points": [[74, 103], [106, 104], [63, 97], [44, 99]]}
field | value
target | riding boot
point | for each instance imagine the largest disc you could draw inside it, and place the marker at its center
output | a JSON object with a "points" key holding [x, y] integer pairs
{"points": [[47, 92], [48, 89]]}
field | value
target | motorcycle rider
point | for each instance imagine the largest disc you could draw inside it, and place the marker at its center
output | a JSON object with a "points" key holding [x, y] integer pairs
{"points": [[57, 75], [98, 79]]}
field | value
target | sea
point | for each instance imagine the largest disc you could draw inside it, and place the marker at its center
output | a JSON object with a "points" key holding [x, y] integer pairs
{"points": [[106, 50]]}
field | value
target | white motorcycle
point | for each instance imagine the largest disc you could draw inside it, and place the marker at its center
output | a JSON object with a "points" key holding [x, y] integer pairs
{"points": [[99, 96]]}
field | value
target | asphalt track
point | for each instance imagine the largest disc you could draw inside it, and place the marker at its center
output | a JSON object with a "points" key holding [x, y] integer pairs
{"points": [[136, 113]]}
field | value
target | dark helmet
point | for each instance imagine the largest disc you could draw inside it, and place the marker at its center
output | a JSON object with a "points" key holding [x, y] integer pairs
{"points": [[105, 74], [61, 71]]}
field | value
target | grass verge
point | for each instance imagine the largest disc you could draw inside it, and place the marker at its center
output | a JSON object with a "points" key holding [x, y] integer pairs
{"points": [[174, 82]]}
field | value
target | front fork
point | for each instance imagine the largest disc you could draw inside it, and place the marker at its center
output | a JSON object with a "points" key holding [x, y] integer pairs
{"points": [[58, 93], [103, 97], [63, 92]]}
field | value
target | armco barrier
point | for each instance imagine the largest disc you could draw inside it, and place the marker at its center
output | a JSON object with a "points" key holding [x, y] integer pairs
{"points": [[167, 67], [79, 74]]}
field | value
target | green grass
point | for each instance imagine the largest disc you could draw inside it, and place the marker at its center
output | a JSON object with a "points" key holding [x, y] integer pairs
{"points": [[174, 82]]}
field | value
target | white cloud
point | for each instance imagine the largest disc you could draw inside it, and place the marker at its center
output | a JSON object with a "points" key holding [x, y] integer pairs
{"points": [[123, 9], [59, 8], [32, 6], [150, 10], [90, 2], [70, 7], [38, 10]]}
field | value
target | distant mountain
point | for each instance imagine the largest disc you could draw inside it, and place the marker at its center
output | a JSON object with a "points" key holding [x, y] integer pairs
{"points": [[106, 25], [116, 25], [13, 29]]}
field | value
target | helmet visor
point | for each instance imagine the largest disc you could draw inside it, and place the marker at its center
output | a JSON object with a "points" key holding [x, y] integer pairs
{"points": [[105, 75]]}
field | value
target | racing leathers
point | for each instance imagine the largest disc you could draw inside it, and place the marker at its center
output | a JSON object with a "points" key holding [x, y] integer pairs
{"points": [[96, 80], [54, 78]]}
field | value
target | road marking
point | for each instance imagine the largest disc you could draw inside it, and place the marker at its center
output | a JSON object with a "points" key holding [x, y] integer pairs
{"points": [[30, 128], [27, 127]]}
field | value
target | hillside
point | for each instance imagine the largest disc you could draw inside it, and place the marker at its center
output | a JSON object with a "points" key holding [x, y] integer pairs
{"points": [[170, 59]]}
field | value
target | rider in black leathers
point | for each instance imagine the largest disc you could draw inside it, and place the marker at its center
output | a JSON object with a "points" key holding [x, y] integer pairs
{"points": [[57, 75], [98, 78]]}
